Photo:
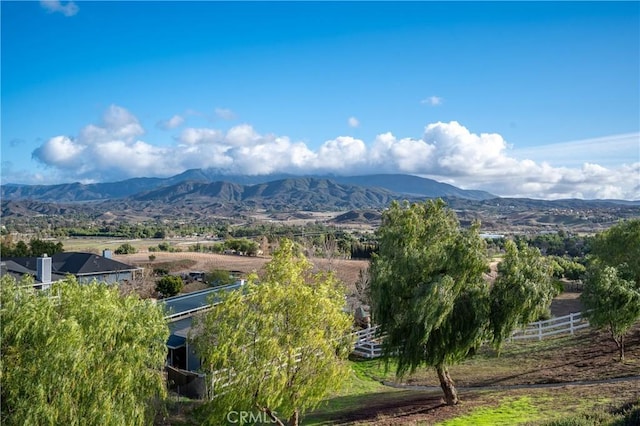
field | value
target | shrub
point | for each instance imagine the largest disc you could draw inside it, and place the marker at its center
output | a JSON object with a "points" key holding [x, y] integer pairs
{"points": [[126, 248], [169, 285]]}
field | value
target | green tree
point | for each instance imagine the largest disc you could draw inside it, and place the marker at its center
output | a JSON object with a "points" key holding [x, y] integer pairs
{"points": [[619, 246], [278, 346], [612, 302], [428, 293], [21, 250], [126, 248], [522, 292], [79, 355], [38, 247], [612, 287], [169, 285], [218, 277]]}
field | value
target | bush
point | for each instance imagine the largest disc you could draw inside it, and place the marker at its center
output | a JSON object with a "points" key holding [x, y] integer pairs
{"points": [[218, 277], [169, 285], [126, 248]]}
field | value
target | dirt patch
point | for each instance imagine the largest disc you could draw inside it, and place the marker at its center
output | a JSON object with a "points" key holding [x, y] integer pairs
{"points": [[566, 303], [394, 408], [413, 408], [589, 356]]}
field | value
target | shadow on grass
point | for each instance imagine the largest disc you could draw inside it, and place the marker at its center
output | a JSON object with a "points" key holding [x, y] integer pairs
{"points": [[368, 407]]}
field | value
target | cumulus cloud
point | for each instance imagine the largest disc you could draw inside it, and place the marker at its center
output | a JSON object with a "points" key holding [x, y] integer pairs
{"points": [[353, 122], [171, 123], [225, 114], [108, 150], [448, 152], [68, 9], [432, 100]]}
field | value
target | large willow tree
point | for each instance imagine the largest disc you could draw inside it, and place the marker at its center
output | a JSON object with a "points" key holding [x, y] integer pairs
{"points": [[522, 292], [427, 288], [430, 296], [79, 355]]}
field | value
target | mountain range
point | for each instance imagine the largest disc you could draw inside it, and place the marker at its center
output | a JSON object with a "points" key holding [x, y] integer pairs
{"points": [[209, 183], [199, 195]]}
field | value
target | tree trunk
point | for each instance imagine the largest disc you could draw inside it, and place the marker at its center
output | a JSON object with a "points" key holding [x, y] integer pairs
{"points": [[295, 418], [447, 385], [619, 343]]}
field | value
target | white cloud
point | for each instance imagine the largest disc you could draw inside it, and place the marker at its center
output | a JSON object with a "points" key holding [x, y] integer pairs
{"points": [[68, 9], [225, 114], [60, 151], [192, 136], [171, 123], [432, 100], [353, 122], [447, 152]]}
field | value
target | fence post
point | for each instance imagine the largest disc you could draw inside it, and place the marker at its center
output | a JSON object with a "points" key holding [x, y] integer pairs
{"points": [[571, 322], [539, 330]]}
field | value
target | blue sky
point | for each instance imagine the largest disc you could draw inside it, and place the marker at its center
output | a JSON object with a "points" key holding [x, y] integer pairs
{"points": [[536, 99]]}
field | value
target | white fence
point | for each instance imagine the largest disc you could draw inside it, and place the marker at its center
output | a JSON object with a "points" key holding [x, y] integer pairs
{"points": [[567, 324], [369, 343]]}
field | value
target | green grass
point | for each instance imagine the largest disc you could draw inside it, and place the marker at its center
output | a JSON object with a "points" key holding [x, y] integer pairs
{"points": [[357, 391], [360, 380], [509, 412]]}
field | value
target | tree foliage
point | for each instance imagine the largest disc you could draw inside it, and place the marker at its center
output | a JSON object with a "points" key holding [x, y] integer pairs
{"points": [[278, 346], [612, 288], [126, 248], [619, 246], [79, 354], [36, 247], [427, 288], [219, 277], [169, 285], [429, 294], [522, 292]]}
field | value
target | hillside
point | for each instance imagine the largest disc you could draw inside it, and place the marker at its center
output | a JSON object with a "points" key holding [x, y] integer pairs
{"points": [[71, 192]]}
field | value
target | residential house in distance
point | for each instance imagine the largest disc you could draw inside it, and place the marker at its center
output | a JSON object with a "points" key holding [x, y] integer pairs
{"points": [[86, 267]]}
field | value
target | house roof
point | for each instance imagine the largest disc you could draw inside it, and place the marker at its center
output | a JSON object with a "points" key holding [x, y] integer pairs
{"points": [[74, 263], [87, 264], [17, 271], [187, 304]]}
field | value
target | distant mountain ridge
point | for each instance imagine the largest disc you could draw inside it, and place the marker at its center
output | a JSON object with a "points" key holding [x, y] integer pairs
{"points": [[183, 183]]}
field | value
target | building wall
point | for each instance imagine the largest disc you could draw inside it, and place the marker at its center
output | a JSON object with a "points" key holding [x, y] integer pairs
{"points": [[107, 278]]}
